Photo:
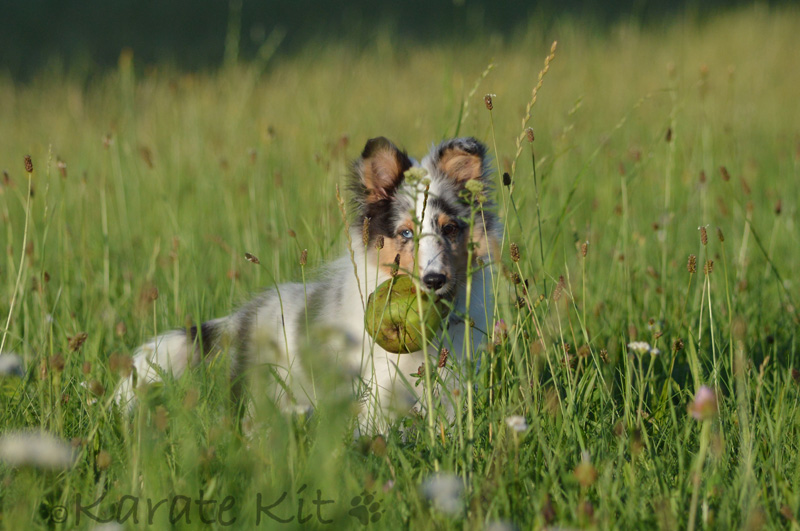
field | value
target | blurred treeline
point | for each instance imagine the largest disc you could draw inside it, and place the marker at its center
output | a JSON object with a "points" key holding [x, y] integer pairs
{"points": [[82, 36]]}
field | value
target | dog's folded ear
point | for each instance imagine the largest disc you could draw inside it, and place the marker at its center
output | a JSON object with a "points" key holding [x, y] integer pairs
{"points": [[461, 159], [380, 169]]}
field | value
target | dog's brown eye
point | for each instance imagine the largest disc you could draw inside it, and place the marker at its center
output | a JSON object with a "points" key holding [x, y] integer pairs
{"points": [[450, 229]]}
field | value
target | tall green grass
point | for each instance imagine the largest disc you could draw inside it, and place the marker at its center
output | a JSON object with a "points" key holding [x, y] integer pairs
{"points": [[150, 185]]}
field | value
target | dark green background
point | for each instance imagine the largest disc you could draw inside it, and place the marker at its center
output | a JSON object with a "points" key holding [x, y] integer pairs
{"points": [[84, 36]]}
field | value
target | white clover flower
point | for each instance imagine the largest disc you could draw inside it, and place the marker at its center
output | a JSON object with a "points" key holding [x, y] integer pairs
{"points": [[643, 347], [37, 449], [11, 365], [444, 492], [517, 423]]}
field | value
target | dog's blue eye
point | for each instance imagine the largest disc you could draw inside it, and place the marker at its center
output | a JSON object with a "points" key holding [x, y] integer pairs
{"points": [[407, 234]]}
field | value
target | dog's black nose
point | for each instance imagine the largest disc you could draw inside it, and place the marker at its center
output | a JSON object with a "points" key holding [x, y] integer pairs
{"points": [[434, 281]]}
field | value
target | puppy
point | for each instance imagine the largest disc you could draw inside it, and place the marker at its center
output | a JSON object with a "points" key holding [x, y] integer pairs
{"points": [[423, 219]]}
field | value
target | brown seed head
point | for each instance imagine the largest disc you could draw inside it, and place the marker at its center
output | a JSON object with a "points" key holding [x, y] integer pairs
{"points": [[77, 341], [720, 235], [488, 101], [778, 208], [548, 511], [292, 234], [514, 249], [692, 265], [57, 362], [303, 257], [396, 265], [379, 242], [559, 288], [443, 354], [584, 248], [745, 187], [121, 329], [62, 168], [252, 258], [506, 179], [365, 231], [677, 345], [97, 388], [709, 267], [103, 460], [668, 136], [515, 278], [28, 164], [529, 134], [703, 236], [723, 171]]}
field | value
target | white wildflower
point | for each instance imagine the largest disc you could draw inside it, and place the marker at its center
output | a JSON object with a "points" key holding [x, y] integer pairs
{"points": [[643, 347], [11, 365], [517, 423], [444, 491], [37, 449]]}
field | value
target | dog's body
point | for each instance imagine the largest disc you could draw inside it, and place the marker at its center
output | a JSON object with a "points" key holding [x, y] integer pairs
{"points": [[275, 327]]}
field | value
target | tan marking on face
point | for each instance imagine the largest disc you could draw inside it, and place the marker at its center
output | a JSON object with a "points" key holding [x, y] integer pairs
{"points": [[392, 248], [443, 220], [460, 165]]}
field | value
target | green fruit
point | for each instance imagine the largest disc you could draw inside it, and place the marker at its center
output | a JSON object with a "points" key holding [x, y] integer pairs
{"points": [[392, 317]]}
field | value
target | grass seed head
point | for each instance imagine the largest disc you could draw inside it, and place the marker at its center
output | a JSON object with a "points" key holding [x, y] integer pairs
{"points": [[703, 236], [778, 207], [514, 250], [443, 354], [720, 235], [303, 257], [365, 231], [723, 171], [62, 168], [529, 134], [709, 267], [668, 136], [506, 179], [77, 341], [103, 460], [28, 164], [252, 258], [379, 243], [559, 288], [57, 362], [745, 187], [584, 249], [691, 266], [488, 101]]}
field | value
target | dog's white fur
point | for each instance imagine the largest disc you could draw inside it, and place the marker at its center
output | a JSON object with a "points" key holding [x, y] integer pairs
{"points": [[261, 332]]}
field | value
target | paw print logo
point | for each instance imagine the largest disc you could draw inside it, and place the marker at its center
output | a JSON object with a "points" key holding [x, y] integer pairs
{"points": [[365, 508]]}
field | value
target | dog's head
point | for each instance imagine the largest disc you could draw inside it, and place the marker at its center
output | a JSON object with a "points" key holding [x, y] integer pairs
{"points": [[424, 220]]}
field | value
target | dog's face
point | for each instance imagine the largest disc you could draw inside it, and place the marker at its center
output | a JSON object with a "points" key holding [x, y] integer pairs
{"points": [[424, 223]]}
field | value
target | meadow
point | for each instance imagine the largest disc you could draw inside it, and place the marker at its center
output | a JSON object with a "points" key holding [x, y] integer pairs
{"points": [[624, 387]]}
